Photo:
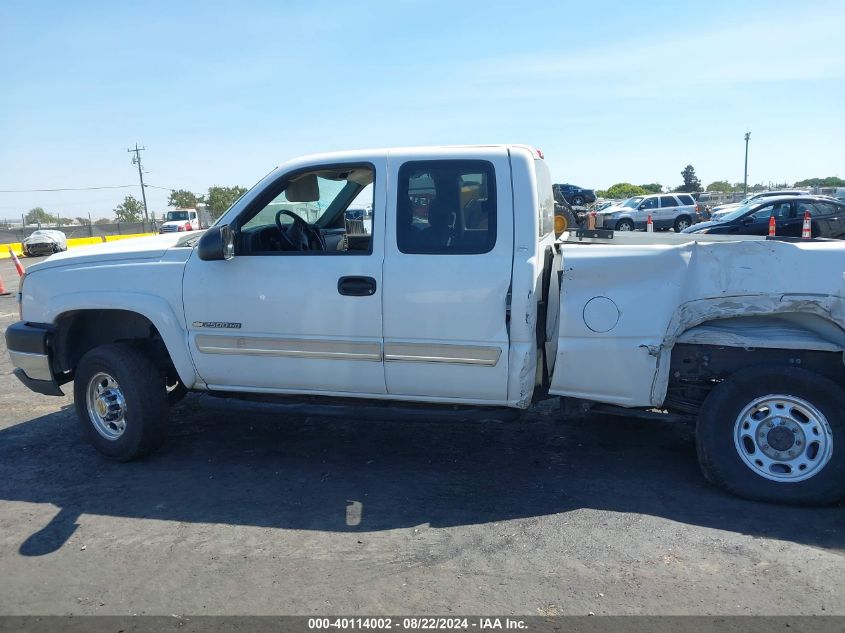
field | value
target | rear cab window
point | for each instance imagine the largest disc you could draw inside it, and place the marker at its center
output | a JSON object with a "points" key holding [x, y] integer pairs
{"points": [[446, 207], [686, 199]]}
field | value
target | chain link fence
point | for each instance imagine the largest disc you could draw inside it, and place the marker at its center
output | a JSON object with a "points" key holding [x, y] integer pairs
{"points": [[11, 233]]}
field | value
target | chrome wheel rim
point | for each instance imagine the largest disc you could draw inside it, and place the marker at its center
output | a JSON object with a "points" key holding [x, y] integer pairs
{"points": [[783, 438], [683, 224], [106, 406], [624, 226]]}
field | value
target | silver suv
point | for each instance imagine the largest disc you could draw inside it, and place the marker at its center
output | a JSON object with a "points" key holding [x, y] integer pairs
{"points": [[668, 211]]}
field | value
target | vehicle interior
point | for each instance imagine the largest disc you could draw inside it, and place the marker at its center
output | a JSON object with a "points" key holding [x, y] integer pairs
{"points": [[309, 212]]}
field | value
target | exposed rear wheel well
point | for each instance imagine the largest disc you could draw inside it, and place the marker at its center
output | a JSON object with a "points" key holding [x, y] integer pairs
{"points": [[80, 331], [696, 369]]}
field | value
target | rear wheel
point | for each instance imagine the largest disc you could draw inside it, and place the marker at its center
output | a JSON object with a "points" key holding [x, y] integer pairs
{"points": [[625, 225], [767, 433], [121, 401], [682, 222]]}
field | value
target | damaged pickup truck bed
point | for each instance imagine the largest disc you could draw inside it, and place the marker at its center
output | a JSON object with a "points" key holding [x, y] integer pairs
{"points": [[455, 294]]}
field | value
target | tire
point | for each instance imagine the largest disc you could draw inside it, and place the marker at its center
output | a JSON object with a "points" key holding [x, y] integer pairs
{"points": [[731, 458], [565, 220], [625, 225], [137, 395], [682, 222], [577, 201]]}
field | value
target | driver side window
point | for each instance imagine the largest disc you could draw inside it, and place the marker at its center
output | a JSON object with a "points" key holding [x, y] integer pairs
{"points": [[320, 211]]}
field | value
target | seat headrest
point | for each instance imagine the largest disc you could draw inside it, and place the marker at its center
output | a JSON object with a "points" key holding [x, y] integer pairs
{"points": [[440, 214]]}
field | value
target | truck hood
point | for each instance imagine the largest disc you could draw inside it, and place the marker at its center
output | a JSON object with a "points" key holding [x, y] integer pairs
{"points": [[152, 247]]}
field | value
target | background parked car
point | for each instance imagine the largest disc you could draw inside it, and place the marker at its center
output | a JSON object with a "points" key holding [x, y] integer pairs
{"points": [[724, 208], [574, 195], [827, 217], [44, 242], [668, 211]]}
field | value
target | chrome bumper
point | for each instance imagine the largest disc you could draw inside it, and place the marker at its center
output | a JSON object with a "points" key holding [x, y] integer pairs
{"points": [[35, 366], [29, 350]]}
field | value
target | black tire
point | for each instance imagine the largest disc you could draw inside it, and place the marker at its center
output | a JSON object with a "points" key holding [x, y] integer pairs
{"points": [[565, 218], [625, 222], [577, 201], [682, 222], [142, 385], [719, 456]]}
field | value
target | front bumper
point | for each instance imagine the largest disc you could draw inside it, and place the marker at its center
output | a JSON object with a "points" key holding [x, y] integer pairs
{"points": [[29, 349], [40, 248]]}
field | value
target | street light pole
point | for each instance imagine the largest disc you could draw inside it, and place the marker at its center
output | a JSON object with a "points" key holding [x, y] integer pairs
{"points": [[745, 181]]}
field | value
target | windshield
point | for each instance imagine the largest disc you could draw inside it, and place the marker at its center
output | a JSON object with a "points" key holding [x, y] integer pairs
{"points": [[632, 202], [176, 215], [736, 213]]}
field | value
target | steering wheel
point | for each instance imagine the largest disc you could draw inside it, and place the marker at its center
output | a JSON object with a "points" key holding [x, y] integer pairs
{"points": [[299, 236]]}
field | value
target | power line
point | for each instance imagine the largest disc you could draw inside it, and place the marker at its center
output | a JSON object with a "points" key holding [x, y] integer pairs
{"points": [[66, 189]]}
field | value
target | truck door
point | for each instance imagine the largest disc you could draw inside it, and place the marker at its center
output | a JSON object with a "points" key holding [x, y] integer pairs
{"points": [[447, 271], [288, 313]]}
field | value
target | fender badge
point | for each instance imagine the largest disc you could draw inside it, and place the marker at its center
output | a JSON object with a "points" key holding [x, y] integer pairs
{"points": [[218, 324]]}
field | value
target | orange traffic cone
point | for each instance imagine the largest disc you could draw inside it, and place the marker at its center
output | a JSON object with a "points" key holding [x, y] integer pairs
{"points": [[17, 262], [3, 291], [649, 224], [772, 225], [806, 232]]}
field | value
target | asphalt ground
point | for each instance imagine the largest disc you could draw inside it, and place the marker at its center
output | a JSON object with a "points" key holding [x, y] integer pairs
{"points": [[257, 514]]}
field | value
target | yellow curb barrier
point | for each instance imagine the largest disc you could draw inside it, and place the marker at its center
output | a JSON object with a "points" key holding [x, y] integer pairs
{"points": [[71, 243]]}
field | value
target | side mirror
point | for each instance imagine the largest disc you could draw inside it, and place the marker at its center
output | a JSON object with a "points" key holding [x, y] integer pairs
{"points": [[217, 243]]}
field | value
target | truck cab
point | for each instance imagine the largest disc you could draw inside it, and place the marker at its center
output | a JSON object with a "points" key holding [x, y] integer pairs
{"points": [[415, 307], [180, 220]]}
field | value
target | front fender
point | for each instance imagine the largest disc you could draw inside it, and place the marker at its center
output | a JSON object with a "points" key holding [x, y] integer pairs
{"points": [[158, 311]]}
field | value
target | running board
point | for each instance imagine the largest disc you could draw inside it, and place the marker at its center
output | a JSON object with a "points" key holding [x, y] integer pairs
{"points": [[350, 408]]}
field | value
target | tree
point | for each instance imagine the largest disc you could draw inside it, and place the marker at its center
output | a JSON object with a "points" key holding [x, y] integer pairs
{"points": [[691, 181], [654, 187], [720, 185], [83, 221], [622, 190], [830, 181], [219, 199], [103, 221], [39, 216], [183, 199], [130, 210]]}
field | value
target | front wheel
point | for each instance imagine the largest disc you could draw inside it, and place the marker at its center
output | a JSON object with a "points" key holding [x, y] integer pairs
{"points": [[625, 225], [121, 401], [767, 433]]}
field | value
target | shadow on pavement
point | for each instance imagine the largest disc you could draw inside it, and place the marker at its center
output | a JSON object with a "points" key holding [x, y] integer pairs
{"points": [[352, 475]]}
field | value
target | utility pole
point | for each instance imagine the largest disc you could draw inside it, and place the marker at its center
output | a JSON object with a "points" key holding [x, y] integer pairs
{"points": [[136, 160], [745, 181]]}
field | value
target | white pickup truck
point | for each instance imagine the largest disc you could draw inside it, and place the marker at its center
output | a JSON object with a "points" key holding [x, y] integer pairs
{"points": [[454, 296]]}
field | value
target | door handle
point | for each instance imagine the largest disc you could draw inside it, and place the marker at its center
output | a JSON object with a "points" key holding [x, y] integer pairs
{"points": [[356, 286]]}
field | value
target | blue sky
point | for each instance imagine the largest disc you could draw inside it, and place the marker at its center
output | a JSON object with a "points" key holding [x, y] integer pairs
{"points": [[221, 92]]}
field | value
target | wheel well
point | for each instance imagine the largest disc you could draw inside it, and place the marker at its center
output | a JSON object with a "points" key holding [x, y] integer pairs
{"points": [[80, 331], [697, 368]]}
